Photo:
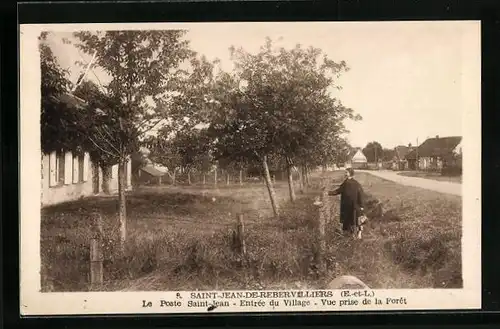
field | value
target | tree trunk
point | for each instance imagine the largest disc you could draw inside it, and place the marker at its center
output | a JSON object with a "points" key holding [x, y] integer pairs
{"points": [[173, 178], [122, 204], [227, 178], [301, 179], [241, 176], [215, 177], [189, 176], [106, 175], [270, 189], [290, 182], [307, 176], [320, 243], [204, 178]]}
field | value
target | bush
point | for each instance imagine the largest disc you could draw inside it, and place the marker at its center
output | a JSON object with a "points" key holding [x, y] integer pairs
{"points": [[451, 171]]}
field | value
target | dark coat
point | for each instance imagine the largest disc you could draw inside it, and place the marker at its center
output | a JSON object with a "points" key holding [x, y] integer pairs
{"points": [[351, 202]]}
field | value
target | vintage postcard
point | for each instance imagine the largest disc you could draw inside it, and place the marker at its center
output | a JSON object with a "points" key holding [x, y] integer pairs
{"points": [[250, 167]]}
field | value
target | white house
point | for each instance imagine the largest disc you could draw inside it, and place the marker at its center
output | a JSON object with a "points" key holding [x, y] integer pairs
{"points": [[358, 160], [66, 177]]}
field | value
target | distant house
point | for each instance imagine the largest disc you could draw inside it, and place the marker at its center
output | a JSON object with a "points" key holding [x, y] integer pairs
{"points": [[357, 160], [399, 161], [149, 174], [435, 153], [66, 176]]}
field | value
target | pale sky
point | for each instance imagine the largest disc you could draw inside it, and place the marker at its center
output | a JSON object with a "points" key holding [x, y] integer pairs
{"points": [[404, 78]]}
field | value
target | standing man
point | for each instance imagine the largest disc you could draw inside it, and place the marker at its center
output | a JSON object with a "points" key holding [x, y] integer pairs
{"points": [[351, 203]]}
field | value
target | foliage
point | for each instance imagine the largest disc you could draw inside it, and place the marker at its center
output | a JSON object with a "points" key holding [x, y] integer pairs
{"points": [[388, 154], [57, 116], [373, 152], [162, 151], [141, 65], [98, 124], [193, 146], [278, 102]]}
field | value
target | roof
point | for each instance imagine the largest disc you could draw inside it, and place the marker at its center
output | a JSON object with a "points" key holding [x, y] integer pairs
{"points": [[70, 99], [438, 146], [353, 151], [358, 157], [401, 151], [152, 171]]}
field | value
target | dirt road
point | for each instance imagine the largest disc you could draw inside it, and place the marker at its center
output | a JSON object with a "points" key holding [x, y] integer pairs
{"points": [[429, 184]]}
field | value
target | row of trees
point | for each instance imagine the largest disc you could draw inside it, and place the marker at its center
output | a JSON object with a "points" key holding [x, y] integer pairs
{"points": [[275, 108]]}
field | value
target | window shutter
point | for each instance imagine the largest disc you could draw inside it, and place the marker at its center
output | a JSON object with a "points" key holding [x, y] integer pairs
{"points": [[53, 175], [86, 164], [68, 170]]}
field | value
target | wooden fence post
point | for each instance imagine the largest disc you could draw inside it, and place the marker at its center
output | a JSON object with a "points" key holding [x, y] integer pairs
{"points": [[239, 237], [96, 255], [322, 213]]}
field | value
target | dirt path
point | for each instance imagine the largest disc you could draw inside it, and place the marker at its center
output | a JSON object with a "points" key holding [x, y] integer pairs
{"points": [[428, 184]]}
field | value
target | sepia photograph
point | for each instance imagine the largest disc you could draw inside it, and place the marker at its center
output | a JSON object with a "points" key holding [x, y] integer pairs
{"points": [[260, 167]]}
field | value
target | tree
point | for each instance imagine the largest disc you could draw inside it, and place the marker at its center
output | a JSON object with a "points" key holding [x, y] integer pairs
{"points": [[56, 116], [143, 71], [277, 103], [373, 152], [193, 147], [292, 88], [163, 151], [388, 154], [183, 142], [238, 128]]}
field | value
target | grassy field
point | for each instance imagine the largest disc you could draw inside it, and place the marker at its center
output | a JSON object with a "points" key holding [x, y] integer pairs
{"points": [[180, 239], [432, 175]]}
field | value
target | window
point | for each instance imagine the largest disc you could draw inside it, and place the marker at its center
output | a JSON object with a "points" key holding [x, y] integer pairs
{"points": [[76, 169], [81, 160], [65, 168], [61, 166]]}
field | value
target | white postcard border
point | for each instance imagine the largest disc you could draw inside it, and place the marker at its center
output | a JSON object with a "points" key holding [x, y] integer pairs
{"points": [[33, 302]]}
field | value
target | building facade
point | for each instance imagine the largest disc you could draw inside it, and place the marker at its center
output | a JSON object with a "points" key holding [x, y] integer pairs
{"points": [[435, 153], [67, 177]]}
